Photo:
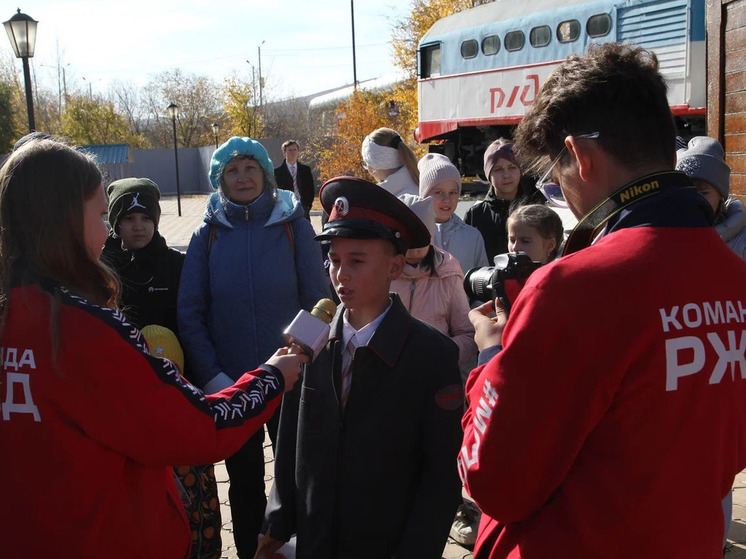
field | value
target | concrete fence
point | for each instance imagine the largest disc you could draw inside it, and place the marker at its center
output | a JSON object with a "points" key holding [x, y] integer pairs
{"points": [[159, 165], [194, 166]]}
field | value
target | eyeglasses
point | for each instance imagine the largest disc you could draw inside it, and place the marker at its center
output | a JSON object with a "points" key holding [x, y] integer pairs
{"points": [[550, 189]]}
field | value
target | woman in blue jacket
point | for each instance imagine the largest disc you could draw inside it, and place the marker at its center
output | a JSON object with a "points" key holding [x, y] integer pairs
{"points": [[250, 267]]}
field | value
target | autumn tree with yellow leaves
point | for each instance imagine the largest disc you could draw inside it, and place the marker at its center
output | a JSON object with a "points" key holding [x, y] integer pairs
{"points": [[339, 151], [241, 108], [91, 120]]}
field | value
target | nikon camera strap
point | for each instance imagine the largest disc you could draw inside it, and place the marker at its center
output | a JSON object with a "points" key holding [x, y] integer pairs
{"points": [[589, 227]]}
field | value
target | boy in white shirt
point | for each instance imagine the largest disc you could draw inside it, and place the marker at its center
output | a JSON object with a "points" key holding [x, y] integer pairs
{"points": [[367, 446]]}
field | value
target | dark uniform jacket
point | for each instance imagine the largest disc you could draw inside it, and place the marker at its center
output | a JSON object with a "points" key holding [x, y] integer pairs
{"points": [[150, 280], [306, 185], [377, 479], [490, 217]]}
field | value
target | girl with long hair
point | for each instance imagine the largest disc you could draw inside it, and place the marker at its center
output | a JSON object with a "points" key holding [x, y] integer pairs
{"points": [[91, 421]]}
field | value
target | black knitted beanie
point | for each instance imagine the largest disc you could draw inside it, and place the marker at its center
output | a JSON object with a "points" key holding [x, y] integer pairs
{"points": [[127, 196]]}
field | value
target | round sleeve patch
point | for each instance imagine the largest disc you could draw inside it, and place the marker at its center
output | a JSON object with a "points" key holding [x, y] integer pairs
{"points": [[450, 397]]}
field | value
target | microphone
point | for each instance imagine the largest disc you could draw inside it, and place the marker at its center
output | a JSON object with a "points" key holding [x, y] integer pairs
{"points": [[310, 330], [162, 342]]}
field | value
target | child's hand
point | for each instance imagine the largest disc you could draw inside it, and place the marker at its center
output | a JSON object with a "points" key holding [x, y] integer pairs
{"points": [[289, 360], [488, 330]]}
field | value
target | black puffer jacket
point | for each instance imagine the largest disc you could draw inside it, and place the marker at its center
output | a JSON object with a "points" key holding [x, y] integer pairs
{"points": [[150, 280], [490, 217]]}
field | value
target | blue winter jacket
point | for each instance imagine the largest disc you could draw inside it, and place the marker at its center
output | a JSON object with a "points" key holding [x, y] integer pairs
{"points": [[241, 289]]}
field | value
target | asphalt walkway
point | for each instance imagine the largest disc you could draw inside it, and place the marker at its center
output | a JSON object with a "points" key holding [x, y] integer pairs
{"points": [[178, 230]]}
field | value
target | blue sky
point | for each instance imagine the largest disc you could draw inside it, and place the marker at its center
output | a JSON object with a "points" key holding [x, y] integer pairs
{"points": [[307, 43]]}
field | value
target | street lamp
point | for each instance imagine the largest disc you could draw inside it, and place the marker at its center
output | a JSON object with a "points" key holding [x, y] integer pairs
{"points": [[173, 113], [215, 128], [261, 85], [21, 30]]}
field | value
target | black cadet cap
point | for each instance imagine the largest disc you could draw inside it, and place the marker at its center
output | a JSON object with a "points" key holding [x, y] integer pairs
{"points": [[360, 209]]}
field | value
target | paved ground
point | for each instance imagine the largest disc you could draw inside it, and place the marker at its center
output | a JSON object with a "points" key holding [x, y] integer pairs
{"points": [[178, 230], [451, 551]]}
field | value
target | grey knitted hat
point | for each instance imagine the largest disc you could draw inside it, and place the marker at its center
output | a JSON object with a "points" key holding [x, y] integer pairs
{"points": [[434, 169], [423, 209], [704, 159]]}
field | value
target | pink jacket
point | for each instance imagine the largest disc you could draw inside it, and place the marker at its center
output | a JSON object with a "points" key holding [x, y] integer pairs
{"points": [[439, 300]]}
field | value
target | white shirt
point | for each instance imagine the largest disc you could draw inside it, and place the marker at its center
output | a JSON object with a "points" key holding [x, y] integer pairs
{"points": [[362, 336], [293, 168]]}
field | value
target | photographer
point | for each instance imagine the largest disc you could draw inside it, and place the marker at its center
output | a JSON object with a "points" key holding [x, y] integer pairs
{"points": [[602, 441]]}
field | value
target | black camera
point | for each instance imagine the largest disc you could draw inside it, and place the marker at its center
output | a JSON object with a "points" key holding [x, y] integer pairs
{"points": [[503, 281]]}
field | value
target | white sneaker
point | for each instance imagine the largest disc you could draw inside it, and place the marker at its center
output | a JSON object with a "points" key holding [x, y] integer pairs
{"points": [[464, 527]]}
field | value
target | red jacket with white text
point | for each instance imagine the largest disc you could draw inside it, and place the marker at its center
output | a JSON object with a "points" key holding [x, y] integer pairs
{"points": [[90, 434], [612, 423]]}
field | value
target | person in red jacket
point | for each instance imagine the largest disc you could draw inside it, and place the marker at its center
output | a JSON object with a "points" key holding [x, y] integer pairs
{"points": [[609, 420], [91, 421]]}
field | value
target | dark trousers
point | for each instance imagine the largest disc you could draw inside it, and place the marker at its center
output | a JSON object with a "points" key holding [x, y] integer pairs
{"points": [[272, 426], [246, 494]]}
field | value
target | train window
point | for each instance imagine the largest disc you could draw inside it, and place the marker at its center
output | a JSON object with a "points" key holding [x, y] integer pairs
{"points": [[490, 45], [514, 40], [540, 36], [598, 25], [430, 61], [469, 48], [568, 31]]}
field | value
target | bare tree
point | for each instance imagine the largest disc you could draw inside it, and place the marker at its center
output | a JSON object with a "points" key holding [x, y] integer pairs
{"points": [[287, 118], [129, 102], [198, 102], [47, 111], [16, 119]]}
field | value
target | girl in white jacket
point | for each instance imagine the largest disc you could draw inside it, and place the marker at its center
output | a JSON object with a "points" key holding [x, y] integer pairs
{"points": [[391, 162]]}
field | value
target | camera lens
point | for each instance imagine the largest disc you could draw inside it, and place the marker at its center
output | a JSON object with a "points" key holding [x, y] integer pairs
{"points": [[478, 283]]}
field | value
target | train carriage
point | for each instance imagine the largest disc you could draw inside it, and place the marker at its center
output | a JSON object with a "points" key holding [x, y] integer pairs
{"points": [[481, 68]]}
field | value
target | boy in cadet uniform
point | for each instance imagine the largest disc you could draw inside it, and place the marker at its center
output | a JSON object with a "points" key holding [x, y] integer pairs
{"points": [[366, 453]]}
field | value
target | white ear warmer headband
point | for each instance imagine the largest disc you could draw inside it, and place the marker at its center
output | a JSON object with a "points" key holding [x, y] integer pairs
{"points": [[380, 157]]}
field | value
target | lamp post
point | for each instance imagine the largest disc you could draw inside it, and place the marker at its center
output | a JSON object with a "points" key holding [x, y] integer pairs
{"points": [[261, 86], [354, 62], [21, 30], [173, 112], [215, 128]]}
